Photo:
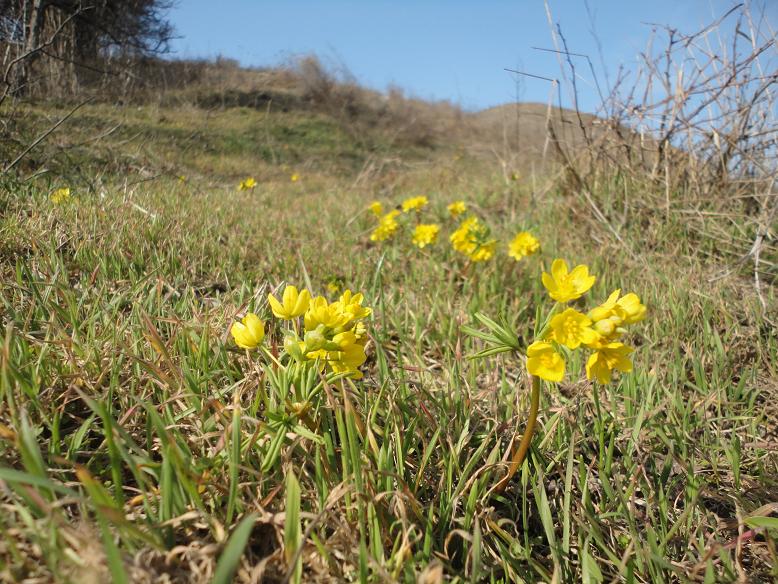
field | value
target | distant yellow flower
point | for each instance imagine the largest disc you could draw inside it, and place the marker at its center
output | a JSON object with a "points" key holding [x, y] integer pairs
{"points": [[564, 286], [293, 303], [181, 178], [249, 333], [524, 244], [247, 184], [387, 226], [376, 208], [515, 176], [425, 234], [545, 362], [607, 358], [414, 204], [472, 239], [333, 286], [572, 329], [457, 208], [295, 177], [60, 195]]}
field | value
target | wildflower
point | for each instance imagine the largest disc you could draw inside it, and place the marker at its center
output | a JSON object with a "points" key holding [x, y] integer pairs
{"points": [[524, 244], [564, 286], [607, 358], [425, 234], [247, 184], [472, 239], [293, 303], [457, 208], [333, 286], [376, 208], [249, 333], [414, 204], [572, 329], [515, 176], [60, 195], [545, 362], [387, 226], [295, 177], [611, 316], [181, 178], [334, 334]]}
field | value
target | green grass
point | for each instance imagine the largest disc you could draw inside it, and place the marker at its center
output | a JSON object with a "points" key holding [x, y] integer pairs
{"points": [[135, 438]]}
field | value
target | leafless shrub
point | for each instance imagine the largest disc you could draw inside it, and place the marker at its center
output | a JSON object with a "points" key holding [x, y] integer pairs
{"points": [[693, 130]]}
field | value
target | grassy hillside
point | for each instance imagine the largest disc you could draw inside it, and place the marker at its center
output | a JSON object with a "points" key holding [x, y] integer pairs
{"points": [[139, 443]]}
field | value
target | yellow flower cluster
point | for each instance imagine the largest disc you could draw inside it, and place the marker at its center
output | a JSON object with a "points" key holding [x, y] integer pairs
{"points": [[598, 330], [414, 204], [425, 234], [524, 244], [472, 239], [387, 225], [334, 333], [60, 195], [247, 184]]}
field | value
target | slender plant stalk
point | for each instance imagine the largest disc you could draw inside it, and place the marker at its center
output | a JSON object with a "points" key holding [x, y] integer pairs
{"points": [[521, 451]]}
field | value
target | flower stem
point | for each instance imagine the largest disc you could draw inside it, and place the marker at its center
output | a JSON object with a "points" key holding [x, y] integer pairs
{"points": [[521, 451]]}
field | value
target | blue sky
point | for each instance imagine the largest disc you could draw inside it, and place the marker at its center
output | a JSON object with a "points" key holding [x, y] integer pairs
{"points": [[434, 49]]}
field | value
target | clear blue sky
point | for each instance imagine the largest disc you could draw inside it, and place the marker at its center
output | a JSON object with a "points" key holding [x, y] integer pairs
{"points": [[435, 49]]}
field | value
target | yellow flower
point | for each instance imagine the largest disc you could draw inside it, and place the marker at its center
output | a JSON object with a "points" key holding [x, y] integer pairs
{"points": [[330, 316], [181, 178], [483, 252], [247, 184], [515, 176], [376, 208], [425, 234], [249, 333], [295, 177], [633, 310], [472, 239], [387, 226], [545, 362], [348, 360], [293, 303], [564, 286], [351, 304], [414, 204], [616, 312], [524, 244], [60, 195], [333, 286], [606, 358], [457, 208], [572, 329]]}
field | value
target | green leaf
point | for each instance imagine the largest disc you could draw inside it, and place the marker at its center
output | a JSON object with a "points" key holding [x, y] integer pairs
{"points": [[228, 561]]}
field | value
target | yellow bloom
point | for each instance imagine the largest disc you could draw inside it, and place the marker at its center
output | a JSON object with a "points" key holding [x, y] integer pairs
{"points": [[333, 286], [414, 204], [348, 360], [181, 178], [387, 226], [608, 357], [545, 362], [295, 177], [249, 333], [524, 244], [483, 252], [564, 286], [376, 208], [293, 303], [351, 304], [616, 312], [572, 329], [425, 234], [330, 316], [472, 239], [457, 208], [633, 310], [247, 184], [60, 195]]}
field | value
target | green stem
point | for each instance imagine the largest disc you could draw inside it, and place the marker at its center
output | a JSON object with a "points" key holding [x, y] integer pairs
{"points": [[521, 451]]}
